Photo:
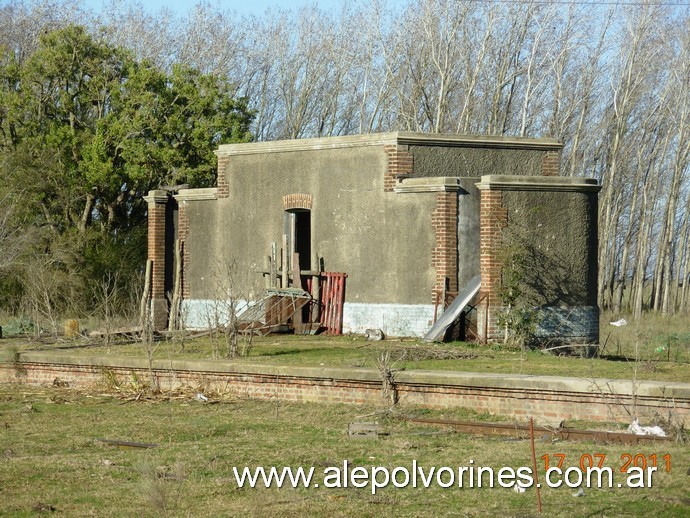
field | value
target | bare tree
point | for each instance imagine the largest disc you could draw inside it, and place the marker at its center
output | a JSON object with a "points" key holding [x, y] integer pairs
{"points": [[610, 81], [12, 238]]}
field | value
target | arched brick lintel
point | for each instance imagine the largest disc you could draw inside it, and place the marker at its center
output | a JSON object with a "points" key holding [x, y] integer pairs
{"points": [[297, 201]]}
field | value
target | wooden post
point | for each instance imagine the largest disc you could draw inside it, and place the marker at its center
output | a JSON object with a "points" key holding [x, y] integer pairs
{"points": [[436, 297], [284, 253], [274, 259], [146, 295], [296, 275], [177, 288], [316, 289], [296, 283]]}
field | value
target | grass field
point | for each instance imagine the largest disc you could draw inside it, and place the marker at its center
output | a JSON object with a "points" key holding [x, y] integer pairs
{"points": [[645, 364], [52, 461], [654, 348]]}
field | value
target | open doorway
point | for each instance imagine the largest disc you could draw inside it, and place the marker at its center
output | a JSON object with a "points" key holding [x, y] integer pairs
{"points": [[298, 232]]}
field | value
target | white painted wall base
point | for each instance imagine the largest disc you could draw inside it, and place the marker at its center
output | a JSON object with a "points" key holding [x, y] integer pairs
{"points": [[412, 320], [200, 314]]}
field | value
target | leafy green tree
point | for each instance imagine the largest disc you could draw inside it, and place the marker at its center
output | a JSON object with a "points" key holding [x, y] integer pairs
{"points": [[86, 130]]}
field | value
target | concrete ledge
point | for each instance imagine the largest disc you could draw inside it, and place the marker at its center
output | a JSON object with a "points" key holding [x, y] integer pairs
{"points": [[209, 193], [430, 184], [538, 183], [158, 196], [417, 377]]}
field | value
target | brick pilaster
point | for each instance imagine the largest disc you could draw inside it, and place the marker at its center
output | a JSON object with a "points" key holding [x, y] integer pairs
{"points": [[493, 219], [157, 206], [444, 257], [400, 162], [551, 163], [222, 181]]}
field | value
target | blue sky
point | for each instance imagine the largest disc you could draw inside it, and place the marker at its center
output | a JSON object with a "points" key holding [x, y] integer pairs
{"points": [[255, 7]]}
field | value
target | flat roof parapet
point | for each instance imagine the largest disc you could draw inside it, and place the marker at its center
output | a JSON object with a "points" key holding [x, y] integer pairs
{"points": [[392, 138]]}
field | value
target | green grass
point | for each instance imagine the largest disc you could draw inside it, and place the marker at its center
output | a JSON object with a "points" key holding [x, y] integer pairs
{"points": [[655, 348], [349, 352], [51, 459]]}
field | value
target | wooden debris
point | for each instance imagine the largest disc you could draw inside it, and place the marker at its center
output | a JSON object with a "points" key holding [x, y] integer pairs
{"points": [[364, 430], [416, 353], [122, 331], [127, 444]]}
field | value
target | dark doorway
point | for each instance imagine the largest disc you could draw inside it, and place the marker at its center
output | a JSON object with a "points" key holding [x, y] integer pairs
{"points": [[302, 239], [298, 232]]}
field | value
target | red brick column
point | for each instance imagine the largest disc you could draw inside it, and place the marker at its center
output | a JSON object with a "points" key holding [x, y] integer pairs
{"points": [[493, 219], [221, 180], [444, 257], [551, 163], [400, 162], [157, 203]]}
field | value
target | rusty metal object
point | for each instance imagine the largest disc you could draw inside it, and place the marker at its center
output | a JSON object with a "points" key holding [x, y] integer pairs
{"points": [[332, 301], [562, 434]]}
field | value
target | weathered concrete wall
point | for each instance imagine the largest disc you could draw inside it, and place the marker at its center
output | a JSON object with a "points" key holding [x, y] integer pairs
{"points": [[401, 243], [375, 237], [557, 235], [558, 232], [382, 240], [545, 232], [472, 161]]}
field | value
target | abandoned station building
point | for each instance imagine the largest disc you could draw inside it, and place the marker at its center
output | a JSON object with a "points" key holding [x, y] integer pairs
{"points": [[401, 222]]}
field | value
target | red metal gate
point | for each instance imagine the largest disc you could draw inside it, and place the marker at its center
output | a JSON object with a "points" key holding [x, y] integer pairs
{"points": [[332, 301]]}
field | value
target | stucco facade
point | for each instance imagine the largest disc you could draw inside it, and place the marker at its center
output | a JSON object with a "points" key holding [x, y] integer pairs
{"points": [[398, 212]]}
